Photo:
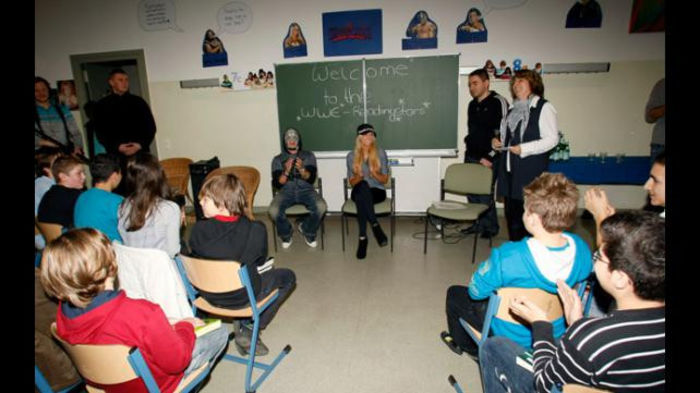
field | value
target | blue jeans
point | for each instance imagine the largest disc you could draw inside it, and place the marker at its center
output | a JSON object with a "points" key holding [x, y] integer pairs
{"points": [[207, 348], [488, 222], [499, 371], [291, 196]]}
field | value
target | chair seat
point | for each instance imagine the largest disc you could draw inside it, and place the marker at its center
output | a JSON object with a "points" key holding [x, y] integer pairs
{"points": [[469, 212], [204, 305], [295, 210], [383, 207], [193, 375]]}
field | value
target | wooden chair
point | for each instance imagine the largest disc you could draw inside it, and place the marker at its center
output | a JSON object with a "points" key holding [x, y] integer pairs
{"points": [[225, 276], [250, 178], [499, 307], [50, 231], [177, 173], [386, 207], [298, 210], [461, 179], [572, 388], [112, 364]]}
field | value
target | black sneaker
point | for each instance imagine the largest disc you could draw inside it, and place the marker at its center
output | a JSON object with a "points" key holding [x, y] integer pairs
{"points": [[362, 248], [449, 341], [379, 235]]}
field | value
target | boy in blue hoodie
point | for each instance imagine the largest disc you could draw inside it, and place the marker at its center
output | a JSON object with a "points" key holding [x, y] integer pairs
{"points": [[551, 254]]}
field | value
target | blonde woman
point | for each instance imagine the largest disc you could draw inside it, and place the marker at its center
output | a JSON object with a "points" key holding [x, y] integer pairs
{"points": [[368, 171]]}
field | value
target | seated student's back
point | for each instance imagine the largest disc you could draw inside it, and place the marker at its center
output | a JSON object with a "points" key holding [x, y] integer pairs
{"points": [[98, 207], [539, 261]]}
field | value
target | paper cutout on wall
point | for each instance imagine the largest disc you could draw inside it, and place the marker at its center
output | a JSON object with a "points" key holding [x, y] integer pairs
{"points": [[235, 17], [66, 94], [214, 53], [352, 32], [157, 15], [473, 29], [584, 13], [294, 44], [422, 32], [648, 16]]}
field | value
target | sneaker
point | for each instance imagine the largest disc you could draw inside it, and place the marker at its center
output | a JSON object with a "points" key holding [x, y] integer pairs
{"points": [[310, 243], [379, 235], [362, 248], [286, 243], [242, 338], [449, 341]]}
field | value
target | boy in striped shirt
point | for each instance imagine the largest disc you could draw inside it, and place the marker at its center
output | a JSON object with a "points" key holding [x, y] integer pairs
{"points": [[623, 351]]}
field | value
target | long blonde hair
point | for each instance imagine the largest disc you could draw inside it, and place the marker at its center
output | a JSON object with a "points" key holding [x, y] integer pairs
{"points": [[372, 157]]}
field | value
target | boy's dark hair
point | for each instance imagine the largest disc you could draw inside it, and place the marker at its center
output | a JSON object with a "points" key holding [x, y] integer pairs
{"points": [[102, 167], [660, 158], [117, 71], [635, 243], [64, 164], [554, 198], [481, 73]]}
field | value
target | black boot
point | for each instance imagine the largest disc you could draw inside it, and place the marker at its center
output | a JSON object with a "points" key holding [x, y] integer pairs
{"points": [[362, 248], [379, 234]]}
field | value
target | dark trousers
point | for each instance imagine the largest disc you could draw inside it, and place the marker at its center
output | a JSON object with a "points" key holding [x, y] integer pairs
{"points": [[365, 197], [276, 278], [514, 209], [459, 304]]}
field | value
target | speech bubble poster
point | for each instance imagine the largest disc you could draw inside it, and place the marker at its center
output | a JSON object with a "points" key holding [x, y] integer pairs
{"points": [[352, 32], [421, 32], [294, 43], [155, 15]]}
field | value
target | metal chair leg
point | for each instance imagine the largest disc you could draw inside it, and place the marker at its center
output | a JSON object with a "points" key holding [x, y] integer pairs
{"points": [[476, 236], [425, 238], [342, 232], [274, 235], [323, 234]]}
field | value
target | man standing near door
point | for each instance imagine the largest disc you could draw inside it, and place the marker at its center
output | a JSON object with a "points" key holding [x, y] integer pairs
{"points": [[123, 122], [486, 111]]}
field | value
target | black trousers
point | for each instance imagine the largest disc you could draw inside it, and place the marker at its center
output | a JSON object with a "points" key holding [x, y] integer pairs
{"points": [[276, 278], [459, 304], [514, 209], [365, 197]]}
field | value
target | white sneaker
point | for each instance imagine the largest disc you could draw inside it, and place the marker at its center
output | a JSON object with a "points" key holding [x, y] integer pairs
{"points": [[312, 244], [286, 245]]}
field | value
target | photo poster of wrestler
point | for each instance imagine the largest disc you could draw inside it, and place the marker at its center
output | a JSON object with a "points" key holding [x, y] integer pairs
{"points": [[473, 29], [213, 51], [294, 43], [352, 32], [421, 32]]}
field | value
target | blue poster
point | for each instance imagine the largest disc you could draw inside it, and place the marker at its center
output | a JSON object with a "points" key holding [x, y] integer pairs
{"points": [[352, 32]]}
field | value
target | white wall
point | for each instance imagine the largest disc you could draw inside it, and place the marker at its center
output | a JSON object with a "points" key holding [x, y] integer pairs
{"points": [[598, 112]]}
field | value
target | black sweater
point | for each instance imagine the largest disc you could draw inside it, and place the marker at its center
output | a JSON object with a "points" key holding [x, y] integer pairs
{"points": [[123, 119]]}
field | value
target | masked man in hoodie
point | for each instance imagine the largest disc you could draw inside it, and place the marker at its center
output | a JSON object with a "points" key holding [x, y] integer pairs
{"points": [[293, 176]]}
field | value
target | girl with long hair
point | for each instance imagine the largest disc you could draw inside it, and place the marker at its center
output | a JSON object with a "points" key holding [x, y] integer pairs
{"points": [[147, 217], [368, 171]]}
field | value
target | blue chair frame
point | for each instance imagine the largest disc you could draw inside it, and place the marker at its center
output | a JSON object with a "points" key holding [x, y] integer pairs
{"points": [[248, 361], [43, 385]]}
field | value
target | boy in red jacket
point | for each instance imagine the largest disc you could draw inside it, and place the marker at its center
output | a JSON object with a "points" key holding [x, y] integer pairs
{"points": [[79, 269]]}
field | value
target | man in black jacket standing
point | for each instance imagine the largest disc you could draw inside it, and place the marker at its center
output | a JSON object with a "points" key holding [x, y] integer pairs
{"points": [[124, 123], [486, 111]]}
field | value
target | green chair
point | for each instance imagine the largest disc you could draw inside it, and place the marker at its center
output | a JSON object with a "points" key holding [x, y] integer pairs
{"points": [[298, 210], [386, 207], [461, 179]]}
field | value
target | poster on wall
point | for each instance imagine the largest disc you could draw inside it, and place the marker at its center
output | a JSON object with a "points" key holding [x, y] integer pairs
{"points": [[294, 44], [214, 53], [352, 32], [648, 16], [473, 29], [421, 33], [584, 13], [66, 94], [250, 80]]}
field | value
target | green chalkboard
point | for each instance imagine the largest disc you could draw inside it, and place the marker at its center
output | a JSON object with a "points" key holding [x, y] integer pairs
{"points": [[411, 101]]}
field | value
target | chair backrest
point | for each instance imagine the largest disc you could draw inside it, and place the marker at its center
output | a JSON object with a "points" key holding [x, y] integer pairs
{"points": [[549, 302], [103, 364], [467, 178], [250, 178], [50, 231], [572, 388], [212, 276], [177, 173]]}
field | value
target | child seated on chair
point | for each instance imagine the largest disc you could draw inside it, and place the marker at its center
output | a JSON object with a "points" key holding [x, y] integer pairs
{"points": [[44, 156], [623, 350], [534, 262], [79, 269], [57, 205], [98, 207], [229, 235]]}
